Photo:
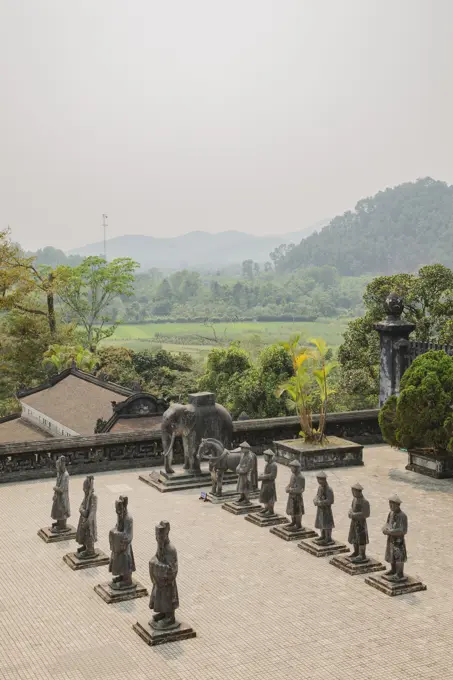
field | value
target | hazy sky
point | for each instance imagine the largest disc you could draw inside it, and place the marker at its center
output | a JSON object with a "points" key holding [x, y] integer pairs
{"points": [[174, 115]]}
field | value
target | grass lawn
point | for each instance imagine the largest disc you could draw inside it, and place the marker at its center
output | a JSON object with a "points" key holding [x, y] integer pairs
{"points": [[198, 339]]}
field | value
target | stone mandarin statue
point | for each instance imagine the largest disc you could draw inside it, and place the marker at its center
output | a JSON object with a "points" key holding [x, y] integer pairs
{"points": [[324, 518], [358, 531], [295, 489], [87, 527], [395, 529], [60, 507], [245, 472], [122, 562], [268, 491], [163, 569]]}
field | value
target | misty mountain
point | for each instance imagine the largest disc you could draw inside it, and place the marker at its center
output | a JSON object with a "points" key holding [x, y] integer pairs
{"points": [[197, 249], [397, 230]]}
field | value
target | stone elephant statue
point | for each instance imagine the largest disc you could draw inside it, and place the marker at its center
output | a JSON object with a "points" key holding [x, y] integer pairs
{"points": [[199, 419]]}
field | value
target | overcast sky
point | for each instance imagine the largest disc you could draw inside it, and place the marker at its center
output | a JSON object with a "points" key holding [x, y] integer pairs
{"points": [[175, 115]]}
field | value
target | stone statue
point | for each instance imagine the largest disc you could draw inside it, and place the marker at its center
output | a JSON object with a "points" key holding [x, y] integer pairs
{"points": [[60, 507], [222, 460], [394, 305], [295, 489], [268, 491], [358, 531], [395, 529], [324, 518], [122, 562], [163, 569], [244, 470], [87, 527], [201, 418]]}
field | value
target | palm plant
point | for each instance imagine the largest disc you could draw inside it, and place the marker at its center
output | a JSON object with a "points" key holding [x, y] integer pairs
{"points": [[311, 368], [60, 357]]}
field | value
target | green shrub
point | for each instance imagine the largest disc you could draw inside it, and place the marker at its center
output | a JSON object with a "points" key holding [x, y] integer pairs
{"points": [[422, 415]]}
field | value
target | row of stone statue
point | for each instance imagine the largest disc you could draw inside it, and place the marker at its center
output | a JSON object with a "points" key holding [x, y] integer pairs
{"points": [[163, 567], [395, 527]]}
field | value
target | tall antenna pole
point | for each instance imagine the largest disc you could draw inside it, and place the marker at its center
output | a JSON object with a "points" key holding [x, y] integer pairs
{"points": [[104, 224]]}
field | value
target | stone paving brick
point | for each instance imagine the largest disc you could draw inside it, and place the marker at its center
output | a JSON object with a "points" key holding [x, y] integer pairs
{"points": [[261, 607]]}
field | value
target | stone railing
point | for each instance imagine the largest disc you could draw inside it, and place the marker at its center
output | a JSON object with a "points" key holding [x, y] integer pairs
{"points": [[101, 452]]}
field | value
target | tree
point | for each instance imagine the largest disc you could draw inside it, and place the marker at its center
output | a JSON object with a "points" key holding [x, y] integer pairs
{"points": [[428, 303], [59, 357], [247, 269], [24, 286], [399, 229], [88, 289], [421, 416]]}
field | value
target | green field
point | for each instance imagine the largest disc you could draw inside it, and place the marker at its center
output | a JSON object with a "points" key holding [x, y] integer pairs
{"points": [[198, 339]]}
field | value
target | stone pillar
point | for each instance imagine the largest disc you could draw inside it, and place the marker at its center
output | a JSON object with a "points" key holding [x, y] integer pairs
{"points": [[394, 333]]}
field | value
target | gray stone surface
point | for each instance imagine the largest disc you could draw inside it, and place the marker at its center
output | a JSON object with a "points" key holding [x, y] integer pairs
{"points": [[228, 496], [265, 520], [99, 559], [334, 452], [181, 480], [344, 563], [49, 536], [159, 637], [112, 596], [311, 546], [410, 585], [292, 534], [62, 630], [236, 508]]}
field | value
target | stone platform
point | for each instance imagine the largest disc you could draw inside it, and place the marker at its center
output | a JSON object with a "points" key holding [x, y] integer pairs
{"points": [[265, 520], [240, 509], [228, 496], [153, 636], [112, 596], [411, 585], [344, 563], [322, 550], [332, 453], [49, 537], [288, 535], [76, 563], [181, 480]]}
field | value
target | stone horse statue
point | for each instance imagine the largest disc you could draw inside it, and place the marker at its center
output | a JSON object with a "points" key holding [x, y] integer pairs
{"points": [[222, 460]]}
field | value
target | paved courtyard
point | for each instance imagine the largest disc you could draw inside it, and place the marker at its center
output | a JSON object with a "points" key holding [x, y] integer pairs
{"points": [[262, 608]]}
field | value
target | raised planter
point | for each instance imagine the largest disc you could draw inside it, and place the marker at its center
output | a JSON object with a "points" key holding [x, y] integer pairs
{"points": [[437, 465], [334, 452]]}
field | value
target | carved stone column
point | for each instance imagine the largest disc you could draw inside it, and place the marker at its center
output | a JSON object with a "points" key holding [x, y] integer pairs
{"points": [[394, 333]]}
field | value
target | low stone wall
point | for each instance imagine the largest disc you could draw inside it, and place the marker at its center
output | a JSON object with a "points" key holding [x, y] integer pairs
{"points": [[102, 452]]}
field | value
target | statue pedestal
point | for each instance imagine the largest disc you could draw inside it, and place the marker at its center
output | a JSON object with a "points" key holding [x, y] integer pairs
{"points": [[410, 585], [265, 520], [228, 496], [48, 536], [76, 563], [159, 637], [322, 550], [182, 479], [344, 563], [111, 596], [241, 509], [297, 534]]}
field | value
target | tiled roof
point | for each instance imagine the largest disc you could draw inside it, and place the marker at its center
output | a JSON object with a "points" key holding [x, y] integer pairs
{"points": [[134, 424], [14, 429], [76, 400]]}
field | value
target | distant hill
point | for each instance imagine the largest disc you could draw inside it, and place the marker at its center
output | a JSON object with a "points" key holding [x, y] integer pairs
{"points": [[397, 230], [197, 249]]}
